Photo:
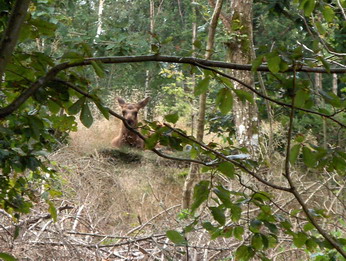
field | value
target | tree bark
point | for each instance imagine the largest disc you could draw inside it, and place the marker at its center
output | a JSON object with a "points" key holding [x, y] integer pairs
{"points": [[239, 51], [192, 177], [10, 36], [147, 91]]}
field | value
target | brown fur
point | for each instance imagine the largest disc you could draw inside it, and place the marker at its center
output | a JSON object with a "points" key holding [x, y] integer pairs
{"points": [[127, 138]]}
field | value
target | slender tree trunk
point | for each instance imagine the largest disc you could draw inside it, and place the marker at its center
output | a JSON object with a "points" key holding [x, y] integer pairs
{"points": [[193, 77], [318, 86], [11, 34], [239, 51], [99, 19], [192, 177], [147, 90], [335, 83]]}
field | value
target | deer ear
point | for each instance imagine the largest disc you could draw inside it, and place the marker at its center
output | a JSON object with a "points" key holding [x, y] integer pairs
{"points": [[121, 101], [142, 104]]}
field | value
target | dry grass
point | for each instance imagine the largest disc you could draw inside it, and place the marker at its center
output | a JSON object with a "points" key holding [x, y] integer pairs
{"points": [[123, 205]]}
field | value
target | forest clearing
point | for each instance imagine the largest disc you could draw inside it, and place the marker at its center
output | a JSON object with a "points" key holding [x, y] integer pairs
{"points": [[173, 130]]}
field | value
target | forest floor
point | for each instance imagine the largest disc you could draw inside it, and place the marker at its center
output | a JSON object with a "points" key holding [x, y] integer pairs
{"points": [[118, 205]]}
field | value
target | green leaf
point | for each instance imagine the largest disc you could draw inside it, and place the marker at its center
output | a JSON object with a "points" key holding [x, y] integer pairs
{"points": [[244, 253], [44, 27], [7, 257], [151, 141], [176, 237], [274, 63], [294, 153], [299, 239], [255, 225], [328, 13], [227, 81], [256, 241], [257, 62], [238, 232], [218, 214], [224, 100], [309, 158], [172, 118], [36, 125], [224, 196], [300, 98], [104, 110], [325, 63], [308, 6], [200, 194], [226, 168], [98, 69], [308, 226], [52, 210], [244, 96], [320, 28], [235, 212], [53, 106], [202, 86], [77, 106], [86, 117], [311, 245]]}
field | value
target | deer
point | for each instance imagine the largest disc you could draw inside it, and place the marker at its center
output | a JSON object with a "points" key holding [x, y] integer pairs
{"points": [[126, 137]]}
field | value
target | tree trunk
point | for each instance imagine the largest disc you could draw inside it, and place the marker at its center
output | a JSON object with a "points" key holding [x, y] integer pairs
{"points": [[192, 177], [318, 87], [11, 34], [239, 51], [99, 19], [147, 90], [335, 83]]}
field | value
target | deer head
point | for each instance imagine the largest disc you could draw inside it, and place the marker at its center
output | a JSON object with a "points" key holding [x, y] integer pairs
{"points": [[130, 110]]}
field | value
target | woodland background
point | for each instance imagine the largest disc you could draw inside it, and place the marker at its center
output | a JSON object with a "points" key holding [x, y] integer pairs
{"points": [[245, 131]]}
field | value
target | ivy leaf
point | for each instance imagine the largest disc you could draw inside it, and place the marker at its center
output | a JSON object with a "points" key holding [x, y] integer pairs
{"points": [[86, 117], [218, 214], [77, 106], [294, 153], [7, 257], [172, 118], [226, 168], [202, 86], [224, 100], [200, 194], [176, 237]]}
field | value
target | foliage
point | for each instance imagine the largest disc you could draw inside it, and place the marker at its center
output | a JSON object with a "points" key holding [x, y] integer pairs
{"points": [[54, 35]]}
